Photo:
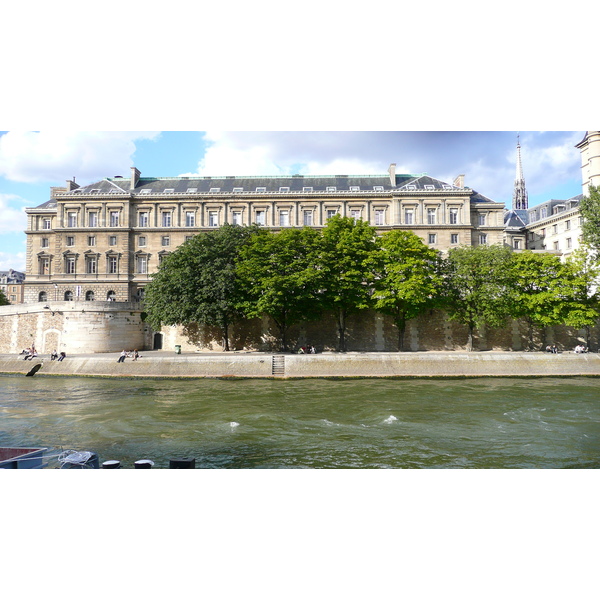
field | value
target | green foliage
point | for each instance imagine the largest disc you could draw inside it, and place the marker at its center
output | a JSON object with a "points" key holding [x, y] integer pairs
{"points": [[348, 267], [3, 299], [589, 207], [197, 283], [280, 275], [476, 286], [409, 281]]}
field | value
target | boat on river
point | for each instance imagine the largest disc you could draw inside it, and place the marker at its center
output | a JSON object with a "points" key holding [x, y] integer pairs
{"points": [[36, 458]]}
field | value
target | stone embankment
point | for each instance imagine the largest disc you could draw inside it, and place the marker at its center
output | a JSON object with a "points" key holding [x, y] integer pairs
{"points": [[265, 365]]}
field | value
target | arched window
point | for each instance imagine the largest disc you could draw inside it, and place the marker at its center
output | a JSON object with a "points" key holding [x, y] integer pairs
{"points": [[43, 297], [111, 296], [89, 295], [69, 296]]}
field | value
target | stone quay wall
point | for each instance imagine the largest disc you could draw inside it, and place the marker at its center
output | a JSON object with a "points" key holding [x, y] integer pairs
{"points": [[290, 366], [96, 327]]}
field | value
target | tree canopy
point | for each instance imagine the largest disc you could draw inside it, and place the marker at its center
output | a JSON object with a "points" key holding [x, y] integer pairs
{"points": [[589, 207], [198, 284], [3, 299], [409, 280], [280, 276]]}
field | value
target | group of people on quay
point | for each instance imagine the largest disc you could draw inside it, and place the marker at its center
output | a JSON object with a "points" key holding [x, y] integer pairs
{"points": [[307, 350], [579, 349], [133, 355]]}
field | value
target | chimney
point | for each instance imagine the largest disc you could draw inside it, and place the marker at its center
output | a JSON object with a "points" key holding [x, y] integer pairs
{"points": [[392, 172], [135, 177], [71, 185], [459, 181]]}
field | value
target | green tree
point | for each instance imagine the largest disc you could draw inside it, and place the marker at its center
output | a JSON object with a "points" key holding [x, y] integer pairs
{"points": [[546, 291], [197, 283], [589, 207], [279, 274], [3, 299], [409, 281], [476, 285], [348, 251]]}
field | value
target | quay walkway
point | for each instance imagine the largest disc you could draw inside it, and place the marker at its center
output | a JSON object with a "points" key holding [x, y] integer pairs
{"points": [[159, 364]]}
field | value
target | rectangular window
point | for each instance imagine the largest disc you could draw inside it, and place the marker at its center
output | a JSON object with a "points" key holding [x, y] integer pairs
{"points": [[409, 216], [517, 244], [379, 217], [190, 219], [569, 243], [284, 218], [567, 225], [112, 264], [142, 240], [112, 240], [114, 218], [454, 216], [44, 266], [355, 214], [556, 246], [166, 219], [70, 265], [331, 212], [259, 217], [91, 265], [72, 219], [236, 217], [166, 240], [93, 219], [330, 188], [142, 264], [213, 219], [70, 240], [45, 242], [307, 218], [143, 219], [91, 240], [483, 239], [454, 238], [481, 220], [431, 216], [261, 190], [46, 224], [543, 213], [432, 238], [554, 228]]}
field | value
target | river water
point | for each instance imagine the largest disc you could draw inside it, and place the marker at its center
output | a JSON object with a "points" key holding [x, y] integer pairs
{"points": [[316, 423]]}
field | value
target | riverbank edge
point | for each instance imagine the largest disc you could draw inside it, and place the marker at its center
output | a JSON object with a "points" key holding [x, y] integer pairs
{"points": [[414, 365]]}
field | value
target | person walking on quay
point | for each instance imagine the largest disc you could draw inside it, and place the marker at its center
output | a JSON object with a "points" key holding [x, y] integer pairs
{"points": [[122, 357]]}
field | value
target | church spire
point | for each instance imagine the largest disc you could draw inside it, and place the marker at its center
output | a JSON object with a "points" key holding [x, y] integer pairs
{"points": [[519, 193]]}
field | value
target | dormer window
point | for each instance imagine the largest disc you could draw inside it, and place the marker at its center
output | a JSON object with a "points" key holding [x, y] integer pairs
{"points": [[237, 190], [284, 189], [411, 187], [430, 187], [95, 191], [330, 188], [307, 189], [261, 190], [146, 191], [191, 190], [378, 188], [169, 191], [355, 188], [214, 190]]}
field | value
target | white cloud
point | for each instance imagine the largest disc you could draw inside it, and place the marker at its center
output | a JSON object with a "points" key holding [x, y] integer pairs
{"points": [[14, 261], [13, 218], [58, 155]]}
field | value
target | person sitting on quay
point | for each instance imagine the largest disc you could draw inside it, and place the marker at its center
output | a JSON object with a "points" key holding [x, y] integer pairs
{"points": [[61, 357], [54, 355], [135, 355], [122, 357]]}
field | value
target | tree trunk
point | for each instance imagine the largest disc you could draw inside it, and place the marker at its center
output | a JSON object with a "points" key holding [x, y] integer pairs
{"points": [[342, 329], [226, 336], [470, 338], [401, 325]]}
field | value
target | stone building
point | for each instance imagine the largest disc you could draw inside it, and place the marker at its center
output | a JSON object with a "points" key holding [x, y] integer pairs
{"points": [[103, 240], [11, 283]]}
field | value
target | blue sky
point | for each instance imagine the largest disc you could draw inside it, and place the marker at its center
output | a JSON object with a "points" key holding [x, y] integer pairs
{"points": [[32, 162]]}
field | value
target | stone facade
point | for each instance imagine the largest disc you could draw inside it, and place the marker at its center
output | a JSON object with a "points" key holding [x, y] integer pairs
{"points": [[95, 327], [104, 240]]}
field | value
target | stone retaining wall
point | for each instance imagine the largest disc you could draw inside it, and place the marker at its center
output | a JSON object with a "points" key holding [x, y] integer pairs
{"points": [[434, 364]]}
